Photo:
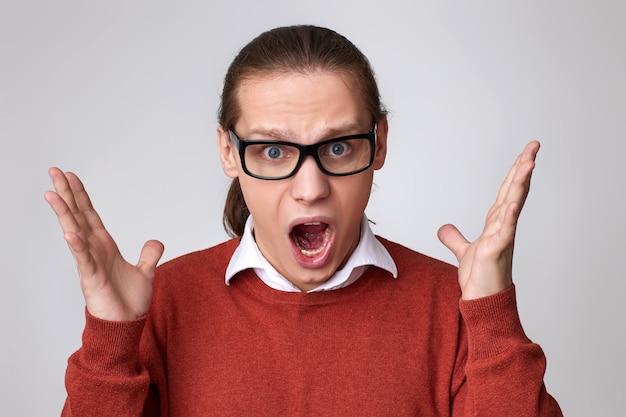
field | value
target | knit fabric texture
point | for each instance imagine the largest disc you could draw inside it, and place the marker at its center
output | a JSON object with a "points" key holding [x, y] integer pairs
{"points": [[379, 347]]}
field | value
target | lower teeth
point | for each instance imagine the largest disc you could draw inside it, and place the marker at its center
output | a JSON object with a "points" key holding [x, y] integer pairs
{"points": [[311, 253]]}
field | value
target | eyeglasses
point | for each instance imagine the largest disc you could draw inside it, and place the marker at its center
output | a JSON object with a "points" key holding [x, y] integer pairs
{"points": [[277, 160]]}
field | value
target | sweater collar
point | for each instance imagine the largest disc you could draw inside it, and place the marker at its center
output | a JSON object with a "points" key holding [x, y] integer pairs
{"points": [[369, 252]]}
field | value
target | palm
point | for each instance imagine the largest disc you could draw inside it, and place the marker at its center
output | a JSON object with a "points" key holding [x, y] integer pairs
{"points": [[485, 265], [113, 288]]}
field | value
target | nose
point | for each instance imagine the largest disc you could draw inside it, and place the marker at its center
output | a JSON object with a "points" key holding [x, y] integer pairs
{"points": [[309, 184]]}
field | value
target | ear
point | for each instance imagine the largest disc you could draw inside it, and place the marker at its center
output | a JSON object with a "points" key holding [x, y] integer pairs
{"points": [[382, 129], [228, 153]]}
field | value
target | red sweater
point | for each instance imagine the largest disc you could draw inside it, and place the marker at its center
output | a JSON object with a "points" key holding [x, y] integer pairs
{"points": [[379, 347]]}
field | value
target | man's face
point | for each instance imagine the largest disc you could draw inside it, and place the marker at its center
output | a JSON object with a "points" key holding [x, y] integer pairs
{"points": [[306, 225]]}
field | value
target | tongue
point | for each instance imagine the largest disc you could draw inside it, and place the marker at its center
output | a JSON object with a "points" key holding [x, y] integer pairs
{"points": [[310, 236]]}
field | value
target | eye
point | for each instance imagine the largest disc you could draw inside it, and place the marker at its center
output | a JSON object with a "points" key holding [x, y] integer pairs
{"points": [[336, 149], [273, 152]]}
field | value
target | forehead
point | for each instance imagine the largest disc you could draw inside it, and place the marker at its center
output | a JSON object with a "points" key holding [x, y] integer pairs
{"points": [[301, 105]]}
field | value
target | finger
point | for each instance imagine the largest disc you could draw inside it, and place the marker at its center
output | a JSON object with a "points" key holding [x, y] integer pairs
{"points": [[509, 224], [516, 185], [75, 227], [510, 213], [71, 196], [85, 262], [519, 173], [64, 214], [150, 254], [520, 185], [452, 239], [62, 187], [85, 211]]}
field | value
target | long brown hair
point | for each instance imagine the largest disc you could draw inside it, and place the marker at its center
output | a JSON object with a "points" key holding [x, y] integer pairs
{"points": [[301, 49]]}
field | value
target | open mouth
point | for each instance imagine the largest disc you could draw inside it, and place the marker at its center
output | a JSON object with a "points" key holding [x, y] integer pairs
{"points": [[311, 238]]}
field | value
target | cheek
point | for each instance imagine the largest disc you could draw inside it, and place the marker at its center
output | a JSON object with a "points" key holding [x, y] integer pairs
{"points": [[362, 186], [262, 197], [354, 194]]}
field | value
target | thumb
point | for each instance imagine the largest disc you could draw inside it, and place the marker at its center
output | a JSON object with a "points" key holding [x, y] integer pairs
{"points": [[150, 254], [452, 239]]}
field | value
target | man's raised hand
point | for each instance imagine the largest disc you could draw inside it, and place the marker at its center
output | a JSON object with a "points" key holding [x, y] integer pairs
{"points": [[113, 289], [485, 265]]}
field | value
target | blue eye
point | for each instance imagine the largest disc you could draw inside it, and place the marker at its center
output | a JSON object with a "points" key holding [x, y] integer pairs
{"points": [[338, 148], [273, 152]]}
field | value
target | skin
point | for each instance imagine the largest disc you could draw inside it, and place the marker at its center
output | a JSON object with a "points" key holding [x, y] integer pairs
{"points": [[303, 108], [298, 108]]}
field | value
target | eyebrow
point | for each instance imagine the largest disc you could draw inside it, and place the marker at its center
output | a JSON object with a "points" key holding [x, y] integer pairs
{"points": [[326, 133]]}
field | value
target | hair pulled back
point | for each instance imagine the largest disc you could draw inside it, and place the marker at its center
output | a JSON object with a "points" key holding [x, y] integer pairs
{"points": [[301, 49]]}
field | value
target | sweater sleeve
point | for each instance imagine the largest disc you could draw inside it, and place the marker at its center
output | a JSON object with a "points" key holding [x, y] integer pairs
{"points": [[105, 376], [504, 370]]}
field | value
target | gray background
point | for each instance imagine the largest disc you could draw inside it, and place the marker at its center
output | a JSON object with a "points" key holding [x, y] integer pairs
{"points": [[125, 94]]}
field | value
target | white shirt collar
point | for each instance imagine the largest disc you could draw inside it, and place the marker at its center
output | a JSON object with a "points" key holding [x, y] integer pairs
{"points": [[368, 252]]}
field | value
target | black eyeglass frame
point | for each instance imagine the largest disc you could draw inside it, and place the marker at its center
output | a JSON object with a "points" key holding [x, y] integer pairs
{"points": [[305, 150]]}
